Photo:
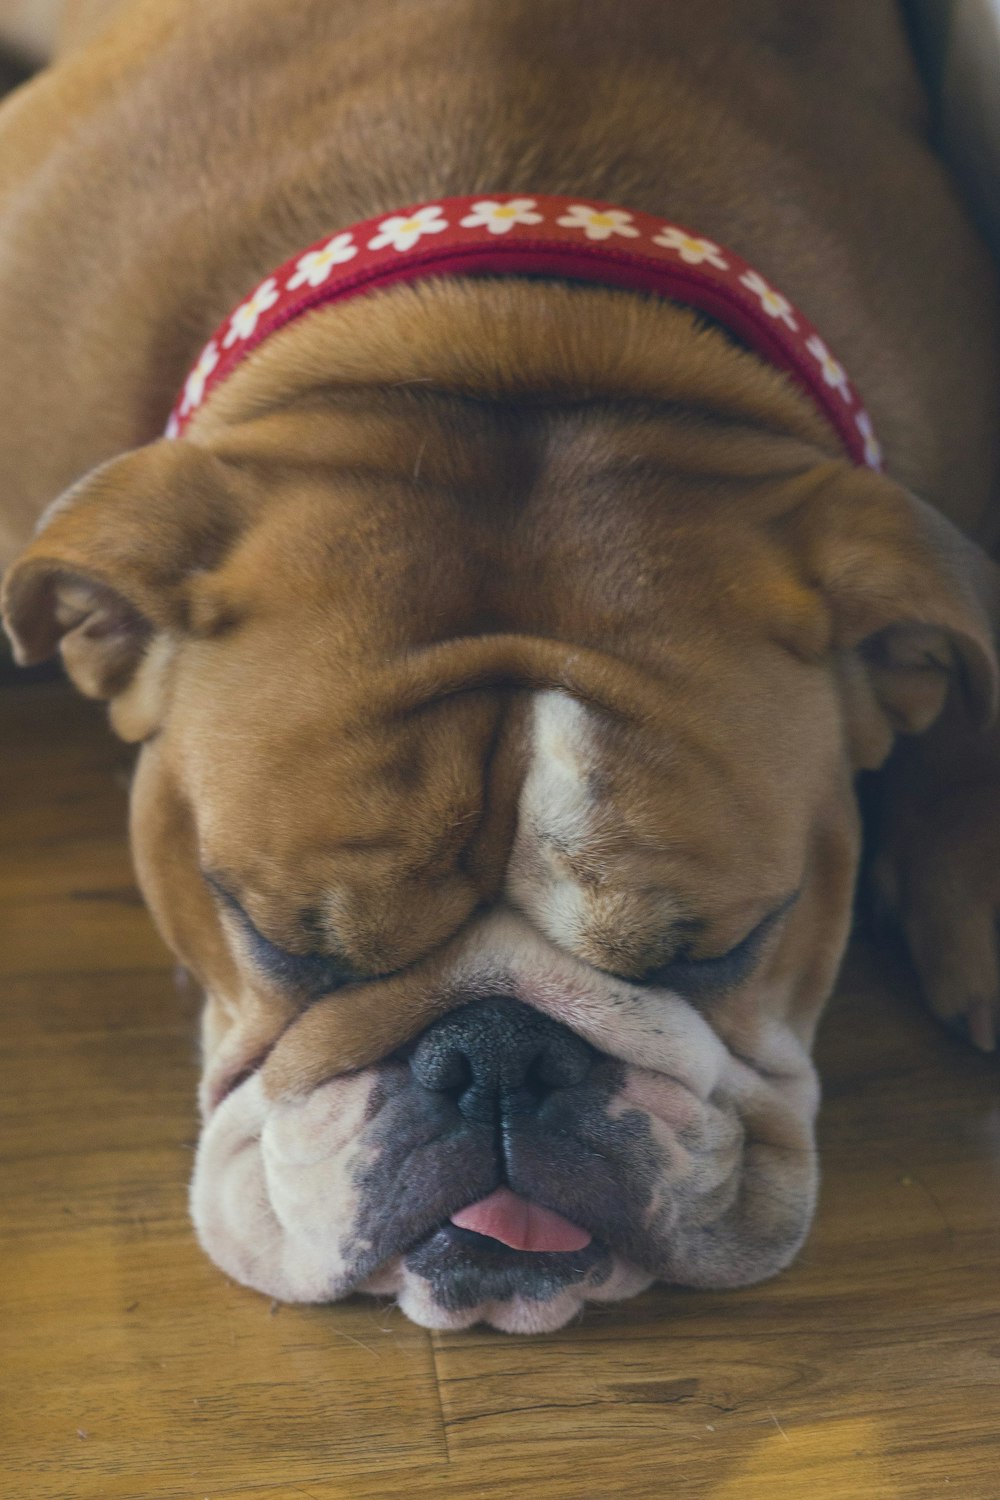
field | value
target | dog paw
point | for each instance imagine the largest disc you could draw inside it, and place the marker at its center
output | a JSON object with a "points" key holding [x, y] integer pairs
{"points": [[936, 878]]}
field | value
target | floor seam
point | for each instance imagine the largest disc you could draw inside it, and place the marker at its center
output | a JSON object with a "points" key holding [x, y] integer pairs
{"points": [[440, 1398]]}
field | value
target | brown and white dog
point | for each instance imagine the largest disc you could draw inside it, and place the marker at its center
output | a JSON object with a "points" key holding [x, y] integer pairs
{"points": [[503, 652]]}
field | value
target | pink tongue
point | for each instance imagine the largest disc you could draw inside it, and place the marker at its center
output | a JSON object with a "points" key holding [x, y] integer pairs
{"points": [[521, 1225]]}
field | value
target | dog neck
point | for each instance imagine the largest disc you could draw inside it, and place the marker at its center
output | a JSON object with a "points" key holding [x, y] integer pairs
{"points": [[550, 237]]}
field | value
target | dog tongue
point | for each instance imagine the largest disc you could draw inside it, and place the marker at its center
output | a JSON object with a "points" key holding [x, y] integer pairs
{"points": [[521, 1225]]}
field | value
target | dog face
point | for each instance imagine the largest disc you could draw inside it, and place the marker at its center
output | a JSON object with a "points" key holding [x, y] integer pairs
{"points": [[506, 816], [544, 1014]]}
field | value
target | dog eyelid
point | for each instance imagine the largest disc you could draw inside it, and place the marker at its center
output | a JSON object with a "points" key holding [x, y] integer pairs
{"points": [[699, 978], [311, 974]]}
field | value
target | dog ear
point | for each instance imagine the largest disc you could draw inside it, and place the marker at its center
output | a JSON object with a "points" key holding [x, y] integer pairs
{"points": [[914, 607], [104, 579]]}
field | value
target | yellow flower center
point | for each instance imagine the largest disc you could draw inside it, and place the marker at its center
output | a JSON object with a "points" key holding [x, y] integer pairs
{"points": [[409, 226], [602, 221], [505, 212]]}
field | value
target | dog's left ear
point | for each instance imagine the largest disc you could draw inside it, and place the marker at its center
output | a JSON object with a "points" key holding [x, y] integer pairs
{"points": [[914, 606], [104, 579]]}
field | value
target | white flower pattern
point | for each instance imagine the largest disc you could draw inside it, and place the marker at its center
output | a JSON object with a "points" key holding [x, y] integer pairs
{"points": [[499, 218], [690, 248], [773, 303], [598, 223], [244, 319], [403, 231], [315, 266], [873, 448], [833, 371], [194, 386]]}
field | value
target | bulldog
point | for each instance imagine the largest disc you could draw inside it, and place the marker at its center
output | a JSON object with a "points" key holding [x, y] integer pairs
{"points": [[504, 640]]}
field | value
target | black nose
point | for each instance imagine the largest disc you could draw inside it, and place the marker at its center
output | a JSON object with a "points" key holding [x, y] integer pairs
{"points": [[499, 1057]]}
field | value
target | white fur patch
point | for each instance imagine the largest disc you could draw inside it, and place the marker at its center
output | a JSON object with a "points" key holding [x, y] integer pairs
{"points": [[557, 815], [570, 868], [273, 1196]]}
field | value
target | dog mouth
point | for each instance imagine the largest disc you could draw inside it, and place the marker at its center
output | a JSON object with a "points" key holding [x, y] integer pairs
{"points": [[477, 1208], [504, 1246]]}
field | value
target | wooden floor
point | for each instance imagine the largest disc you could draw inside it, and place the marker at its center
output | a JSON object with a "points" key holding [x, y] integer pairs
{"points": [[131, 1367]]}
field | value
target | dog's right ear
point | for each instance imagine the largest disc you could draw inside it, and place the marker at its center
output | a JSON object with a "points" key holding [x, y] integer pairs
{"points": [[105, 575]]}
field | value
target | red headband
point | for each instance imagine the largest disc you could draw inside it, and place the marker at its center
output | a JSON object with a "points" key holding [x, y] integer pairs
{"points": [[542, 236]]}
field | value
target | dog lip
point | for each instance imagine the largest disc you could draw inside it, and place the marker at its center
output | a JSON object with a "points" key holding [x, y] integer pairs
{"points": [[454, 1235], [414, 1231], [486, 1245], [233, 1078], [522, 1223], [460, 1263], [230, 1082]]}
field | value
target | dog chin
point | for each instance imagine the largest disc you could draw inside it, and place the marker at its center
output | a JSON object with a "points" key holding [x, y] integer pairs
{"points": [[423, 1302]]}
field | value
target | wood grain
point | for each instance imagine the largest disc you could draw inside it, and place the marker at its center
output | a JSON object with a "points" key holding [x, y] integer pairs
{"points": [[131, 1368]]}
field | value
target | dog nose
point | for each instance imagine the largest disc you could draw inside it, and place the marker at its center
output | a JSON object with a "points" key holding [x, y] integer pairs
{"points": [[499, 1057]]}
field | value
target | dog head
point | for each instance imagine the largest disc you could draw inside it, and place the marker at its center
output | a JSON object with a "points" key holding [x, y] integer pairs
{"points": [[497, 783]]}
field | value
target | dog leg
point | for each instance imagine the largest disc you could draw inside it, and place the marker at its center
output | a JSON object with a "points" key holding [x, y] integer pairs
{"points": [[936, 870]]}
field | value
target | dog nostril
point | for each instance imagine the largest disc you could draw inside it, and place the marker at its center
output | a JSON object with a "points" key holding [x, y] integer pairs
{"points": [[443, 1070], [453, 1072]]}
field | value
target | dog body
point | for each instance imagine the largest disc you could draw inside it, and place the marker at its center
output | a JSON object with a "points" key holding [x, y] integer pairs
{"points": [[153, 175], [503, 652]]}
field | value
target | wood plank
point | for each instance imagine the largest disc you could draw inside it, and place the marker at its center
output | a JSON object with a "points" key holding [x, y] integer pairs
{"points": [[173, 1375]]}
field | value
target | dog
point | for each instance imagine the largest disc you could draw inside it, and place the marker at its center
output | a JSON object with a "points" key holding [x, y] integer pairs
{"points": [[503, 651]]}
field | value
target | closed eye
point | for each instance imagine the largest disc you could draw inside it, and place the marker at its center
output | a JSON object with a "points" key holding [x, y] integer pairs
{"points": [[310, 975], [707, 978]]}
